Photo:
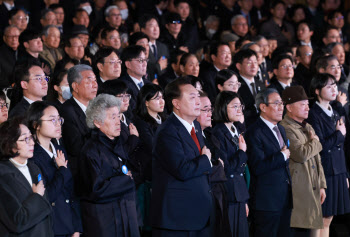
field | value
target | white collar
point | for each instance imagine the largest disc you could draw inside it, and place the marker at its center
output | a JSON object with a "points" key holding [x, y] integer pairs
{"points": [[268, 123], [232, 133], [103, 81], [123, 119], [82, 106], [18, 165], [328, 111], [136, 81], [282, 84], [185, 123], [217, 69], [248, 81], [52, 154], [8, 6], [158, 119], [29, 100]]}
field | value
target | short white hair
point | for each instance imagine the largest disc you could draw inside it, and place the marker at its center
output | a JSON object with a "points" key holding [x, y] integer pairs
{"points": [[108, 9]]}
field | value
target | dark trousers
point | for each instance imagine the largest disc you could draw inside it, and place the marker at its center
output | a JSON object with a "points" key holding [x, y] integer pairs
{"points": [[205, 232], [271, 224]]}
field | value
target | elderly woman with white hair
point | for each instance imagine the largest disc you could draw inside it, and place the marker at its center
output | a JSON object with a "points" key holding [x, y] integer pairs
{"points": [[107, 190]]}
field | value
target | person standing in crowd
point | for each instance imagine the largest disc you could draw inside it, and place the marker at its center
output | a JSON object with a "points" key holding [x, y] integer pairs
{"points": [[283, 69], [25, 210], [189, 65], [107, 189], [59, 90], [45, 123], [83, 85], [51, 52], [229, 109], [308, 180], [227, 80], [268, 160], [330, 128], [181, 203], [148, 116], [3, 107]]}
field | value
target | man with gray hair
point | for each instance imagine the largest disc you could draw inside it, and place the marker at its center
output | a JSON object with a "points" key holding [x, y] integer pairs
{"points": [[51, 37], [239, 25], [113, 16], [268, 160], [83, 85]]}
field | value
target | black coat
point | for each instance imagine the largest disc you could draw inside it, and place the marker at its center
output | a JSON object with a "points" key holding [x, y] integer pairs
{"points": [[59, 187], [74, 131], [208, 74], [7, 64], [302, 77], [22, 212], [107, 194], [276, 85], [332, 140], [20, 108]]}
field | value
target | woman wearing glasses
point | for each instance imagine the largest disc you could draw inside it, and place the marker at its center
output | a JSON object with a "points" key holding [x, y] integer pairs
{"points": [[3, 107], [24, 208], [149, 115], [330, 128], [228, 110], [45, 123], [227, 80]]}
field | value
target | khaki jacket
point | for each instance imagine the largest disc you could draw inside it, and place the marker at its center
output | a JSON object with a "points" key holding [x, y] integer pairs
{"points": [[46, 54], [307, 175]]}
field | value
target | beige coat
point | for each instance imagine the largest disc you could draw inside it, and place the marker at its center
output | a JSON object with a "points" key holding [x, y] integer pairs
{"points": [[307, 175], [46, 54]]}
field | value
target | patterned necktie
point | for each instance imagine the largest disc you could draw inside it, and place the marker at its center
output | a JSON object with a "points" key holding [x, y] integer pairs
{"points": [[140, 84], [280, 139], [235, 137], [195, 139]]}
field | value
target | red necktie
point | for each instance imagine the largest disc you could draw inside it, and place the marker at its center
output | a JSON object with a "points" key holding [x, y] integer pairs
{"points": [[194, 137]]}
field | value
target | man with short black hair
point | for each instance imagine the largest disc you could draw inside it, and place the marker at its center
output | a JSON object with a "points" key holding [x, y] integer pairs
{"points": [[107, 65], [284, 72], [110, 37]]}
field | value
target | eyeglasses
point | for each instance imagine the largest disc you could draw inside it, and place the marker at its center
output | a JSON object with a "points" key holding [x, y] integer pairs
{"points": [[27, 139], [251, 63], [113, 38], [140, 60], [41, 79], [241, 24], [58, 121], [307, 54], [339, 18], [276, 104], [23, 18], [124, 97], [12, 36], [115, 62], [209, 110], [286, 66], [334, 67], [233, 85], [117, 15], [3, 105], [237, 107], [175, 22]]}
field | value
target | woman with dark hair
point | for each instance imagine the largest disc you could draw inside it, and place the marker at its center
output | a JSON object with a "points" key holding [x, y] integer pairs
{"points": [[229, 109], [227, 80], [3, 107], [330, 128], [59, 91], [196, 82], [149, 115], [189, 65], [45, 123], [24, 208]]}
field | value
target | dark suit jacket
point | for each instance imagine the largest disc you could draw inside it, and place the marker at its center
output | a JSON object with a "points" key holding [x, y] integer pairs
{"points": [[22, 212], [250, 112], [20, 108], [7, 64], [332, 140], [270, 188], [208, 74], [74, 131], [162, 50], [181, 198], [235, 161], [302, 77], [276, 85], [168, 76]]}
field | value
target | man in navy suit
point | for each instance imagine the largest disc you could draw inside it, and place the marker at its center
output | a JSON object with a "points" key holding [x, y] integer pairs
{"points": [[135, 62], [268, 161], [83, 85], [181, 202]]}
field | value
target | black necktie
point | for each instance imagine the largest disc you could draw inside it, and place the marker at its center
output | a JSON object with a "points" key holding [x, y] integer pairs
{"points": [[235, 137], [155, 51], [253, 89]]}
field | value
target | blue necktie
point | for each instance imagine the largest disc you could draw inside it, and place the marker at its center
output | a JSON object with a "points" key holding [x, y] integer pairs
{"points": [[140, 84]]}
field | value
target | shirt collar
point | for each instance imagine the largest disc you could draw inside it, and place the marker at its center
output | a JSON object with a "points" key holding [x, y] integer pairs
{"points": [[136, 81], [103, 81], [158, 119], [8, 6], [52, 154], [283, 85], [268, 123], [217, 69], [83, 107], [185, 123], [328, 111], [123, 119], [29, 100], [232, 133]]}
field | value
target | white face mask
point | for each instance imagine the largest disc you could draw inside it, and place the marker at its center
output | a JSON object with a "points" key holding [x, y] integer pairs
{"points": [[124, 13], [211, 31], [66, 94], [88, 9]]}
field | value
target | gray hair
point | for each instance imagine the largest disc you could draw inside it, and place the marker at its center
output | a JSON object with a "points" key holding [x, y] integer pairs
{"points": [[96, 110], [233, 19], [7, 28], [263, 97], [45, 12], [329, 47], [211, 19], [247, 46], [47, 28], [74, 74], [108, 9]]}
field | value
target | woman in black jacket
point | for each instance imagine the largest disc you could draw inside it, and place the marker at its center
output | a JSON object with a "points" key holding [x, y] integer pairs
{"points": [[24, 209], [45, 123], [330, 128]]}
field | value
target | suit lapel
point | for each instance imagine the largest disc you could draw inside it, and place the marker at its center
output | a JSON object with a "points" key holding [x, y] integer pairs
{"points": [[18, 175], [269, 134]]}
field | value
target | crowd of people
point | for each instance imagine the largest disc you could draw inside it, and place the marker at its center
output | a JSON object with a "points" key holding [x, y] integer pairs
{"points": [[186, 118]]}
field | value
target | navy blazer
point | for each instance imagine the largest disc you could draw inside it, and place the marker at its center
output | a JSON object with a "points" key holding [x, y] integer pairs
{"points": [[20, 108], [74, 130], [181, 195], [23, 213], [59, 187], [208, 74], [270, 188], [235, 161], [276, 85], [332, 140]]}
